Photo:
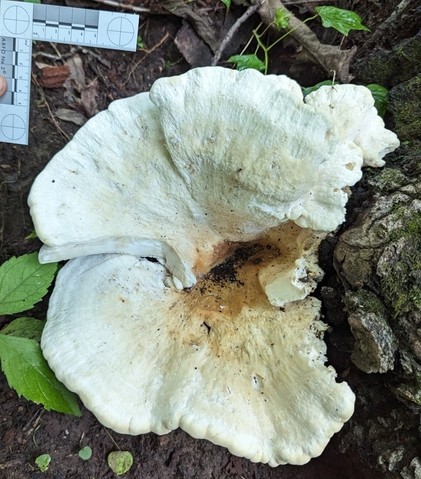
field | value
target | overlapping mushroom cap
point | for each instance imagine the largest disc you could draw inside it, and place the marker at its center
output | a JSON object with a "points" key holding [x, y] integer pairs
{"points": [[209, 165], [207, 158], [218, 361]]}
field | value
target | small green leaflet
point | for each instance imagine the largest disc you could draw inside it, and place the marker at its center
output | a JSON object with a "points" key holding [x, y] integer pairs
{"points": [[26, 370], [243, 62], [32, 235], [227, 3], [85, 453], [381, 97], [308, 89], [28, 328], [340, 19], [140, 43], [120, 462], [43, 461], [281, 19], [23, 282]]}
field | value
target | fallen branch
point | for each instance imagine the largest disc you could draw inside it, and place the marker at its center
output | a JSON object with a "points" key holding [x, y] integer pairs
{"points": [[231, 32], [331, 58], [46, 104], [55, 122], [200, 23], [116, 4], [147, 52], [375, 38]]}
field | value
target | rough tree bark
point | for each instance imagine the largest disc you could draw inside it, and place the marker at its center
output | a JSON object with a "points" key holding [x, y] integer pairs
{"points": [[378, 258]]}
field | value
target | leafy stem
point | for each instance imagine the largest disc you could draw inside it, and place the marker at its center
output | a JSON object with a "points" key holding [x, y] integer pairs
{"points": [[289, 32], [266, 49], [339, 19]]}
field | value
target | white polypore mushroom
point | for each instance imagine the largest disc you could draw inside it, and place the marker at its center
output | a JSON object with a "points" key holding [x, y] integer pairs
{"points": [[207, 159], [204, 164], [217, 361], [355, 119]]}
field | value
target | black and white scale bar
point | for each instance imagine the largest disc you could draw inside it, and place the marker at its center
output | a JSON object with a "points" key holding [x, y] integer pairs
{"points": [[15, 66], [78, 26], [21, 22]]}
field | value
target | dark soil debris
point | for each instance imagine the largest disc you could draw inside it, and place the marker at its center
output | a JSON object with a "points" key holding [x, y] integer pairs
{"points": [[226, 272]]}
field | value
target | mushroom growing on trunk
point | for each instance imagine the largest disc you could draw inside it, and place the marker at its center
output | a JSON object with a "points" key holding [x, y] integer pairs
{"points": [[191, 216]]}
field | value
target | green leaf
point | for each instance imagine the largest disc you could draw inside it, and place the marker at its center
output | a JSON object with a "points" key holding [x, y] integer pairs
{"points": [[120, 462], [32, 235], [24, 282], [381, 97], [281, 19], [309, 89], [85, 453], [247, 61], [340, 19], [227, 3], [26, 370], [43, 461], [29, 328], [140, 43]]}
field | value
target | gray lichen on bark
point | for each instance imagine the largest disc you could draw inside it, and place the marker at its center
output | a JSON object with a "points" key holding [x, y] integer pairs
{"points": [[375, 342]]}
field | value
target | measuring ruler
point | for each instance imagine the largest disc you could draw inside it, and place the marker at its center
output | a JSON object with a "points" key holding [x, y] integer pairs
{"points": [[22, 22]]}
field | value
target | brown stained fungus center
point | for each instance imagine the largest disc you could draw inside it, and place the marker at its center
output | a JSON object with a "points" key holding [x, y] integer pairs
{"points": [[234, 283], [228, 306]]}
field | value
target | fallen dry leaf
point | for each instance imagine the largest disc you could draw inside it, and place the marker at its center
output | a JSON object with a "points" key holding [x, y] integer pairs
{"points": [[201, 23], [88, 98], [54, 77], [42, 65], [192, 47], [71, 116], [77, 72]]}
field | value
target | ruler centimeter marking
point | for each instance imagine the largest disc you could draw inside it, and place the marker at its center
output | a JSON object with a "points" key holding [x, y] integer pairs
{"points": [[15, 66], [22, 22]]}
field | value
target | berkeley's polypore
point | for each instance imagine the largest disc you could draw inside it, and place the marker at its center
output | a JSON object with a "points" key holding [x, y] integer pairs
{"points": [[207, 164]]}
